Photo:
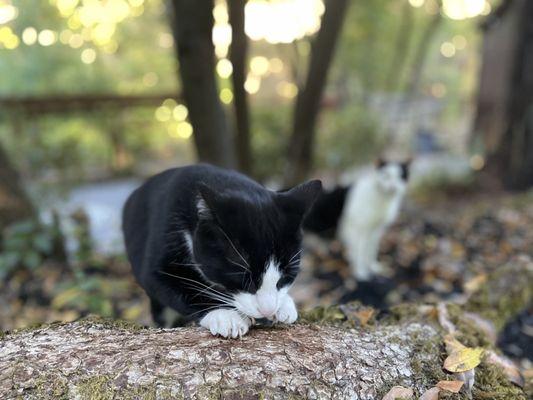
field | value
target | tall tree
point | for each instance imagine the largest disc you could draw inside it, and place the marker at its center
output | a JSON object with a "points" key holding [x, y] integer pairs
{"points": [[192, 26], [421, 52], [307, 107], [238, 57], [505, 101], [401, 48]]}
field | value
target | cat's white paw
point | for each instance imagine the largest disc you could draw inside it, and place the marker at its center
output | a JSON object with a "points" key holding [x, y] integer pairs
{"points": [[287, 312], [226, 323]]}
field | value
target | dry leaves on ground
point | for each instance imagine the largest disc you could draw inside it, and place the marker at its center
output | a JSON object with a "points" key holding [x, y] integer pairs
{"points": [[399, 392]]}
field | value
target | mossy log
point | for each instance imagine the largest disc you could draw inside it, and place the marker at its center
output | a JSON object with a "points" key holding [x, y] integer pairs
{"points": [[328, 355], [95, 360]]}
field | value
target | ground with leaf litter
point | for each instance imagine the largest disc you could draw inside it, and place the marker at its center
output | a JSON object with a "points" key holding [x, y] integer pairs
{"points": [[435, 253]]}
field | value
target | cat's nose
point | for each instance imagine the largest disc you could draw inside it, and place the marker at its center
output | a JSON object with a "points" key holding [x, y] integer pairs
{"points": [[267, 306]]}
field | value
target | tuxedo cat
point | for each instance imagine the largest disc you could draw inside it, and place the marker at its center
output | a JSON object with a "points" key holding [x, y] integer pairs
{"points": [[216, 246], [359, 214], [371, 206]]}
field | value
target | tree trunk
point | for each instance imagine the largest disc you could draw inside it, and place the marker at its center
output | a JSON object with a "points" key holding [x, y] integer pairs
{"points": [[505, 102], [14, 203], [401, 48], [192, 25], [238, 57], [420, 56], [94, 359], [300, 152]]}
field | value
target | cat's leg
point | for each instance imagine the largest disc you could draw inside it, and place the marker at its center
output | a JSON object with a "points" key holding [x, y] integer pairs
{"points": [[287, 312], [362, 270], [157, 310], [221, 321], [375, 265], [226, 323]]}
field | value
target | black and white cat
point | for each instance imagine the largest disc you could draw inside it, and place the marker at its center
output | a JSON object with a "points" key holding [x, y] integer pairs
{"points": [[359, 214], [216, 246], [371, 207]]}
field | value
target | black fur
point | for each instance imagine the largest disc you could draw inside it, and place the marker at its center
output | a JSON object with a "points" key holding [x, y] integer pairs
{"points": [[324, 216], [228, 216]]}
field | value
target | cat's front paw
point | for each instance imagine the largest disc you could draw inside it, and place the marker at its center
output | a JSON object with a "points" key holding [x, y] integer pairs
{"points": [[287, 312], [226, 323]]}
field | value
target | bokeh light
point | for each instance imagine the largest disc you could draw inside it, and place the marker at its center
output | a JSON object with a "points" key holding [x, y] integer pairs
{"points": [[29, 36], [293, 19], [259, 65], [252, 84], [224, 68], [88, 56], [180, 112], [47, 37], [287, 89], [462, 9], [226, 96], [447, 49], [8, 12], [416, 3]]}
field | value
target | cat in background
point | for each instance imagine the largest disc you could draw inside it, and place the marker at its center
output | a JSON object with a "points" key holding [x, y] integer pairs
{"points": [[216, 246], [359, 215]]}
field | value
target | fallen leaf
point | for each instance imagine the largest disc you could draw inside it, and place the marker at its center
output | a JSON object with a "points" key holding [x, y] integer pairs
{"points": [[365, 315], [430, 394], [450, 386], [399, 392], [464, 359], [357, 313], [509, 368], [452, 344], [475, 283]]}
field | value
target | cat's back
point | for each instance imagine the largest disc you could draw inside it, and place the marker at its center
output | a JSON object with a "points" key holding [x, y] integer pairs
{"points": [[364, 204]]}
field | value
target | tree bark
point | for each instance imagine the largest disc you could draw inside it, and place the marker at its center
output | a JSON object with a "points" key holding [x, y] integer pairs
{"points": [[401, 48], [238, 57], [14, 203], [192, 25], [300, 151], [420, 56], [505, 101], [93, 359]]}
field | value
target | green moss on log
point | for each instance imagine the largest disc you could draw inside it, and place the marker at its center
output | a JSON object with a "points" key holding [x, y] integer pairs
{"points": [[508, 291]]}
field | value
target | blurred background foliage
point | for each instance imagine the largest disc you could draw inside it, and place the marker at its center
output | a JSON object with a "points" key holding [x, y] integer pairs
{"points": [[54, 48], [91, 101]]}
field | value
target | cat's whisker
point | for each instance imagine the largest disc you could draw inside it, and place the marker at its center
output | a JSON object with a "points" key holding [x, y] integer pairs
{"points": [[234, 248], [201, 285], [210, 308], [294, 256], [209, 293], [185, 265], [238, 264]]}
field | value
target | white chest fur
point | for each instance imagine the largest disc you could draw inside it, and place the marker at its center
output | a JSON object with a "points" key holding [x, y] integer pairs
{"points": [[371, 206]]}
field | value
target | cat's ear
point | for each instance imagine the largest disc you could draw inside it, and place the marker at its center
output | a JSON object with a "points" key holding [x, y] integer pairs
{"points": [[299, 199], [405, 166], [380, 162], [206, 202]]}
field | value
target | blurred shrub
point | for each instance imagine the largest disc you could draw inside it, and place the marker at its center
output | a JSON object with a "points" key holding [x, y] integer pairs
{"points": [[347, 137], [26, 245], [269, 140]]}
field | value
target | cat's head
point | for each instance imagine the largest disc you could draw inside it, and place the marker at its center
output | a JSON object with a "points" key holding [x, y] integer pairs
{"points": [[392, 177], [249, 244]]}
